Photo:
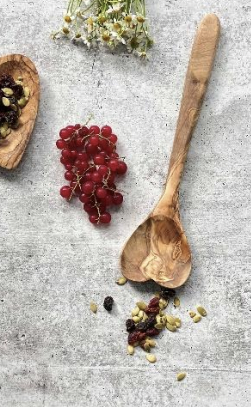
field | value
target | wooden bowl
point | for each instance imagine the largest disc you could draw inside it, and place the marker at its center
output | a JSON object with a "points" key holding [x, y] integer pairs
{"points": [[14, 145]]}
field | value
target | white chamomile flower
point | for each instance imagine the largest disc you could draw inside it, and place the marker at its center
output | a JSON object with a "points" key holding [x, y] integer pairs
{"points": [[115, 8], [69, 17]]}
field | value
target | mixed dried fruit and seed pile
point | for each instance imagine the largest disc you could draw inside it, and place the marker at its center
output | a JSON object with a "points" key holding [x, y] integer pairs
{"points": [[92, 163], [13, 97]]}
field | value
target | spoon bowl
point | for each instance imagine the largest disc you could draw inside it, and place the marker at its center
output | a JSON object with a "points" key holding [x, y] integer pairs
{"points": [[158, 249], [14, 145]]}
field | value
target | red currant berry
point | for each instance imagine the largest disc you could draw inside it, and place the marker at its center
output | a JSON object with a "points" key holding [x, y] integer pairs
{"points": [[114, 155], [75, 188], [88, 207], [83, 165], [79, 142], [106, 131], [101, 193], [94, 140], [64, 161], [65, 192], [108, 200], [117, 198], [113, 138], [60, 143], [96, 177], [88, 176], [74, 154], [113, 165], [103, 170], [64, 134], [93, 219], [84, 198], [103, 144], [83, 131], [110, 148], [105, 217], [94, 130], [88, 187], [103, 154], [77, 126], [82, 156], [66, 154], [69, 175], [98, 159], [68, 167], [90, 149], [122, 167]]}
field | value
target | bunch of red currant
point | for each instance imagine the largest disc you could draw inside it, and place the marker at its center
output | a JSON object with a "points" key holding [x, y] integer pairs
{"points": [[91, 162]]}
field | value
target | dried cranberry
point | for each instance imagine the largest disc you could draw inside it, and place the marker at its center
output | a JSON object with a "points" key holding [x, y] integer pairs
{"points": [[130, 325], [152, 310], [151, 321], [108, 303], [154, 302], [133, 337], [141, 336], [152, 332]]}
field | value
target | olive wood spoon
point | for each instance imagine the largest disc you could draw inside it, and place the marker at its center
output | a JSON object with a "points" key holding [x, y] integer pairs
{"points": [[158, 249], [13, 146]]}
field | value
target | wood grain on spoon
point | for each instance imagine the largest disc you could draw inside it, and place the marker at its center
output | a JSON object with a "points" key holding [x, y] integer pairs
{"points": [[158, 249], [13, 146]]}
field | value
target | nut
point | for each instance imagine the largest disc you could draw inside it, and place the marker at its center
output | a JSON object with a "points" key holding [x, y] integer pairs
{"points": [[22, 102], [135, 311], [170, 327], [197, 318], [192, 314], [146, 346], [145, 317], [201, 311], [151, 358], [170, 319], [163, 303], [142, 305], [130, 349], [141, 314], [5, 102], [121, 281], [3, 132], [93, 307], [151, 342], [26, 92], [180, 376], [159, 326], [7, 91], [136, 319], [176, 302]]}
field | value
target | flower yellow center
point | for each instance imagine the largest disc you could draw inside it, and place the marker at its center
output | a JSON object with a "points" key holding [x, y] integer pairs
{"points": [[67, 19], [128, 19], [102, 19], [140, 19], [65, 30], [106, 37], [116, 26]]}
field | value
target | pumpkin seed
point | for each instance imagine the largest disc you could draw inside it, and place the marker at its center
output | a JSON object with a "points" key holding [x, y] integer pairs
{"points": [[192, 314], [146, 346], [3, 132], [161, 313], [130, 349], [163, 303], [181, 376], [26, 91], [20, 78], [170, 319], [151, 342], [7, 91], [19, 82], [13, 107], [141, 305], [159, 326], [171, 327], [145, 317], [201, 311], [5, 126], [151, 358], [22, 102], [141, 314], [5, 101], [121, 281], [178, 324], [176, 302], [93, 307], [135, 311], [136, 319], [197, 318], [8, 132]]}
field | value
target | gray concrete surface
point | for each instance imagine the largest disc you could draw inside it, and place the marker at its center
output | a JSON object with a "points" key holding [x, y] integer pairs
{"points": [[53, 351]]}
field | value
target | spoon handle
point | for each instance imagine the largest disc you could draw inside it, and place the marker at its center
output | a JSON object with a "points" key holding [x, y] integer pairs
{"points": [[198, 74]]}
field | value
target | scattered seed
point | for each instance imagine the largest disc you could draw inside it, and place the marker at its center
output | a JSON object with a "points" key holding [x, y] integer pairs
{"points": [[19, 82], [130, 349], [136, 319], [170, 319], [135, 311], [121, 281], [145, 317], [26, 91], [176, 302], [7, 91], [192, 314], [141, 314], [171, 327], [151, 358], [178, 324], [201, 311], [3, 132], [93, 307], [22, 102], [146, 346], [141, 305], [159, 326], [151, 342], [163, 303], [5, 102], [8, 132], [197, 318], [5, 126], [181, 376]]}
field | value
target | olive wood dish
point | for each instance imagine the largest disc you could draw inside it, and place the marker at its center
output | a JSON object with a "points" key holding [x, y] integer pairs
{"points": [[13, 146], [158, 249]]}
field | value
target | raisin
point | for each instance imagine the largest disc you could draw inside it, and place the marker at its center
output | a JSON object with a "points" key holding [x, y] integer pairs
{"points": [[154, 302], [167, 293], [152, 310], [152, 332], [142, 326], [133, 337], [130, 325], [151, 321], [18, 91], [6, 81], [141, 336], [108, 303], [11, 117]]}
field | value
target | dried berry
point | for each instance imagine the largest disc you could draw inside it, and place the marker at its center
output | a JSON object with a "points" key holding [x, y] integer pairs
{"points": [[108, 303], [141, 336], [154, 302], [142, 326], [133, 337], [130, 325], [167, 293], [152, 332], [152, 310], [11, 117], [151, 321], [6, 81]]}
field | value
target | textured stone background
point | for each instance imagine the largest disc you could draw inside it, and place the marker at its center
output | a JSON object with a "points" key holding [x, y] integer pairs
{"points": [[53, 351]]}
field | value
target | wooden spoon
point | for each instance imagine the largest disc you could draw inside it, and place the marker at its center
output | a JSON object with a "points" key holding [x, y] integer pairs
{"points": [[158, 249], [13, 146]]}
